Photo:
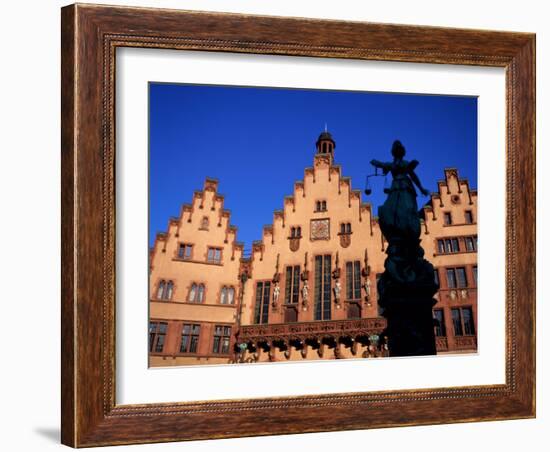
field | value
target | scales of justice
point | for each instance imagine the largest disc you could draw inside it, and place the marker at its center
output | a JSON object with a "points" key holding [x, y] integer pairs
{"points": [[407, 286]]}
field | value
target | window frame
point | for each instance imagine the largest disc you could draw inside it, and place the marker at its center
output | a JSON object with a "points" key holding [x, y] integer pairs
{"points": [[153, 344], [219, 350], [471, 326], [261, 305], [214, 249], [353, 284], [229, 289], [454, 270], [185, 246], [441, 327], [292, 285], [190, 337]]}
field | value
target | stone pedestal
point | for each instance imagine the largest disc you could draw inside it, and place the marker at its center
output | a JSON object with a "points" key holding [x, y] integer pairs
{"points": [[406, 297]]}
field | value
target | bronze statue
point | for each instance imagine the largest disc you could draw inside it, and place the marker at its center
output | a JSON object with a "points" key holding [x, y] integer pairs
{"points": [[399, 215], [407, 285]]}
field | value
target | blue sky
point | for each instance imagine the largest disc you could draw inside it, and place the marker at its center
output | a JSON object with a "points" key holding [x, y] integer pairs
{"points": [[257, 142]]}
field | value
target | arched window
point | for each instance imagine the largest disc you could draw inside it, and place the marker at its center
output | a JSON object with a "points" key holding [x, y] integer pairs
{"points": [[200, 294], [165, 290], [160, 290], [342, 228], [348, 228], [169, 290], [227, 295], [298, 232], [193, 292]]}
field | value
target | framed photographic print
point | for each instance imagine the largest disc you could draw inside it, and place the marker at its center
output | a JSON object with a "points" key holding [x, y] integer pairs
{"points": [[275, 225]]}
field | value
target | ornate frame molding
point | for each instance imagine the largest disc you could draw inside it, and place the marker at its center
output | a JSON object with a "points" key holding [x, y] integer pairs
{"points": [[90, 35]]}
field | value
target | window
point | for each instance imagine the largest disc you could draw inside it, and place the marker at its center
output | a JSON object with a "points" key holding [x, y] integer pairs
{"points": [[196, 294], [185, 250], [353, 280], [474, 272], [468, 217], [447, 219], [295, 232], [160, 289], [471, 243], [261, 311], [456, 278], [439, 319], [165, 290], [463, 321], [214, 255], [227, 295], [345, 228], [292, 284], [157, 334], [189, 338], [322, 287], [222, 336], [436, 276], [320, 206], [446, 246]]}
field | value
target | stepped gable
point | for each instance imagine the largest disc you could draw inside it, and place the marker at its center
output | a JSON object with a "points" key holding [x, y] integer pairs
{"points": [[323, 162], [451, 190], [206, 203]]}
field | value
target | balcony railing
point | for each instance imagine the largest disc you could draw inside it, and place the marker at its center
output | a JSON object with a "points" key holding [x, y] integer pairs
{"points": [[312, 330], [441, 344]]}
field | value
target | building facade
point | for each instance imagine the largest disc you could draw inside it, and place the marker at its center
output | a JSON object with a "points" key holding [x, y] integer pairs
{"points": [[194, 284], [308, 289]]}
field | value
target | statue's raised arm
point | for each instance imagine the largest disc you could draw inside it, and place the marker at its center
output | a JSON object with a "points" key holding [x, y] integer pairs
{"points": [[384, 166]]}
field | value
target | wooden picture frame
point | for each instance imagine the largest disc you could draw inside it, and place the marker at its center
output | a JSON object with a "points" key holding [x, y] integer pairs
{"points": [[90, 36]]}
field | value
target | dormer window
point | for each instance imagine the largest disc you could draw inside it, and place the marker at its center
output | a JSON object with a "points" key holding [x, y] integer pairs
{"points": [[320, 206]]}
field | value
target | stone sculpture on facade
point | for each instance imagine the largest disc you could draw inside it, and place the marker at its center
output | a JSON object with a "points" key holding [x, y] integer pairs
{"points": [[337, 290], [276, 293], [305, 295]]}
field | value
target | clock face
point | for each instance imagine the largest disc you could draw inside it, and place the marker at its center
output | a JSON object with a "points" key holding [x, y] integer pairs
{"points": [[320, 229]]}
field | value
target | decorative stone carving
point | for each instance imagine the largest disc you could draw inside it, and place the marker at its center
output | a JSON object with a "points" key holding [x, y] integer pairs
{"points": [[294, 244], [320, 229], [337, 289], [276, 293], [305, 295], [367, 289], [345, 240]]}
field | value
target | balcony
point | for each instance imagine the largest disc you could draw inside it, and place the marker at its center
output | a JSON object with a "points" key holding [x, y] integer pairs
{"points": [[329, 339], [319, 330], [441, 344], [466, 342]]}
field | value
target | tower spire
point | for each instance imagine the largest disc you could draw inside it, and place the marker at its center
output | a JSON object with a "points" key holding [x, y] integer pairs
{"points": [[325, 143]]}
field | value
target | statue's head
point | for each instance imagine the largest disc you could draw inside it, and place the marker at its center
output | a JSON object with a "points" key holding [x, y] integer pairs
{"points": [[398, 150]]}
